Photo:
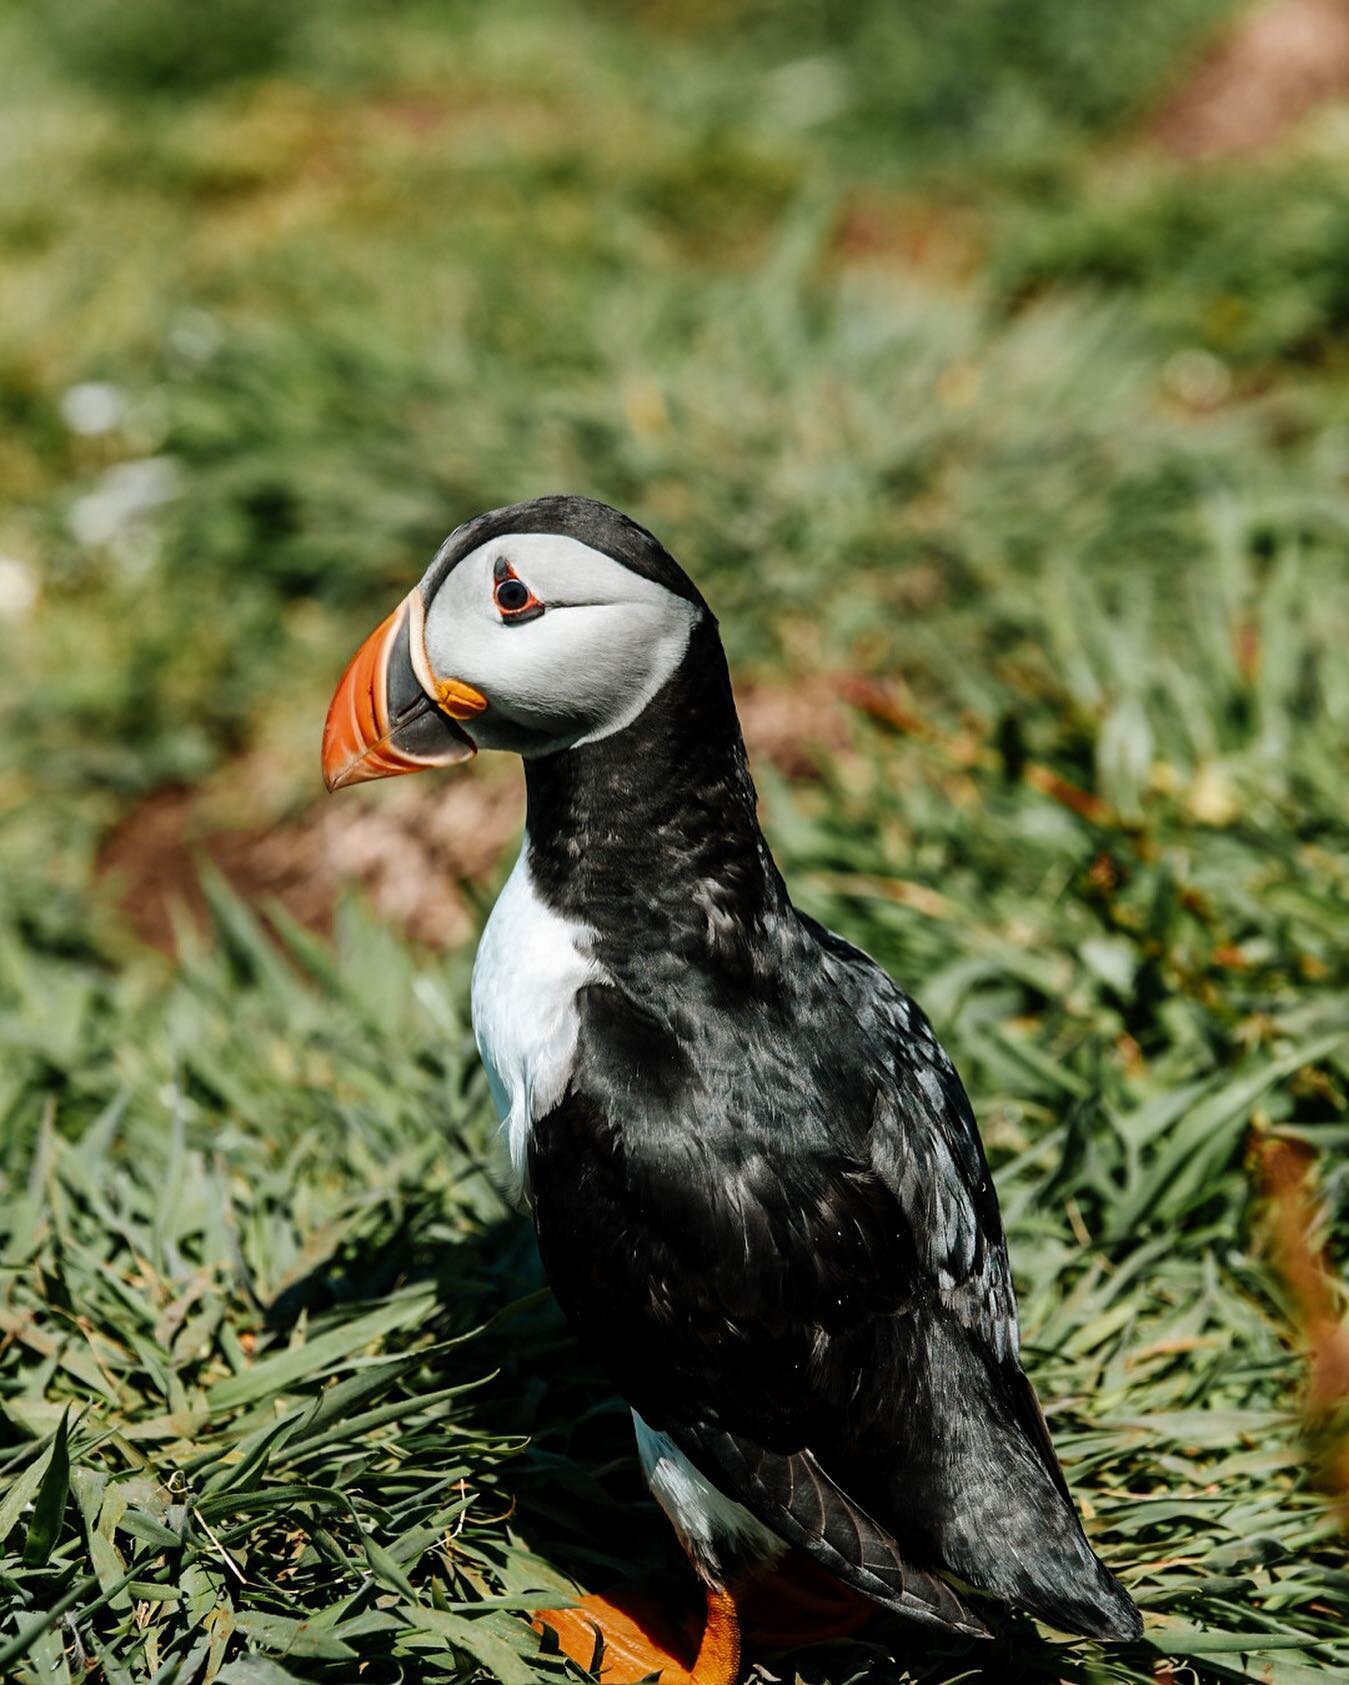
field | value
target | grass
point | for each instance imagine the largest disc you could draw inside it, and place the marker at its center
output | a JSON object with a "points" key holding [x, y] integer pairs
{"points": [[978, 413]]}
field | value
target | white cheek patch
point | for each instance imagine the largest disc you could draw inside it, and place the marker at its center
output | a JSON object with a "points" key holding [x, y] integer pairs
{"points": [[636, 663], [606, 643]]}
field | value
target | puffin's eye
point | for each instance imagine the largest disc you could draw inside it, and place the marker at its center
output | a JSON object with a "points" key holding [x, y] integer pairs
{"points": [[512, 596]]}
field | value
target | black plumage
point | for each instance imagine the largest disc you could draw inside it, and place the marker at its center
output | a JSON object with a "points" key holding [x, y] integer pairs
{"points": [[762, 1199]]}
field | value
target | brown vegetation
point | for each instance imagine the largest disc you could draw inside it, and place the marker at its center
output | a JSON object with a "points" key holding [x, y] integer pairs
{"points": [[411, 847], [1287, 1171], [1283, 59]]}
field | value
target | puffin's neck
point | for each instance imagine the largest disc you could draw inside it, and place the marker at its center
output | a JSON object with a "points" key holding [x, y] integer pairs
{"points": [[651, 832]]}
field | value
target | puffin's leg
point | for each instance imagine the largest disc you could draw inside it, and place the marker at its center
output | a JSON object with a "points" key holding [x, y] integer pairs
{"points": [[718, 1658]]}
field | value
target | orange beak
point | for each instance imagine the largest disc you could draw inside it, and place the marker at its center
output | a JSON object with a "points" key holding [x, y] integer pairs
{"points": [[389, 715]]}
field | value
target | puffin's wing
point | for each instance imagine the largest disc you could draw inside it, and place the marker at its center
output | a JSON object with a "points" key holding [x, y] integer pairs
{"points": [[922, 1142], [811, 1511], [979, 1466], [796, 1269], [700, 1286]]}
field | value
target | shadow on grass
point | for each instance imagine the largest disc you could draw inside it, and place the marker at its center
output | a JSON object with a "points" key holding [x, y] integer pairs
{"points": [[577, 1498]]}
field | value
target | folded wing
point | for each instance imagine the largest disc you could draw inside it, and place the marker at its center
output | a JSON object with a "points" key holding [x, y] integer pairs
{"points": [[811, 1296]]}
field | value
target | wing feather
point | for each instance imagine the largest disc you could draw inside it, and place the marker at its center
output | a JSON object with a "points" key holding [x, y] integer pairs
{"points": [[797, 1499], [797, 1270]]}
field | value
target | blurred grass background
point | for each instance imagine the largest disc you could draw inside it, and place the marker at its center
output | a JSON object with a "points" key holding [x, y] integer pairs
{"points": [[984, 362]]}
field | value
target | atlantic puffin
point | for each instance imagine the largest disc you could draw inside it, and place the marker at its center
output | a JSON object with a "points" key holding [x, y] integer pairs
{"points": [[759, 1190]]}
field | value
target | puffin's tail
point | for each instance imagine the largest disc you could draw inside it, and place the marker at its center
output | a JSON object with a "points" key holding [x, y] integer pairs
{"points": [[1065, 1583], [1038, 1557], [1002, 1516]]}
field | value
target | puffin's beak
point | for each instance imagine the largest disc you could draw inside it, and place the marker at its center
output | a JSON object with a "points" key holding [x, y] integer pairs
{"points": [[389, 714]]}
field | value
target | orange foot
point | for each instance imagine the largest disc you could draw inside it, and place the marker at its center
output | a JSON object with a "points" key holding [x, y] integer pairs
{"points": [[626, 1637]]}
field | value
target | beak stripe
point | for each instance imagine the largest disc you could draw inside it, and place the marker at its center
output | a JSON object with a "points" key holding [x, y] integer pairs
{"points": [[421, 664]]}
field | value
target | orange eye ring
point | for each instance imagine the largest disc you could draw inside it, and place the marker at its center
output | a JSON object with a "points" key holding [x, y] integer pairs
{"points": [[513, 598]]}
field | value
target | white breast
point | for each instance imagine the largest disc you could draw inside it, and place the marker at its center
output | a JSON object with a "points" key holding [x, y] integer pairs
{"points": [[531, 961]]}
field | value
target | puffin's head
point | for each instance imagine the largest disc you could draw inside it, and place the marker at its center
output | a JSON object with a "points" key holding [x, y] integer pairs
{"points": [[536, 628]]}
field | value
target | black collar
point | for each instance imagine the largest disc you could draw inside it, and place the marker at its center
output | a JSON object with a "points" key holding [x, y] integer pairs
{"points": [[650, 835]]}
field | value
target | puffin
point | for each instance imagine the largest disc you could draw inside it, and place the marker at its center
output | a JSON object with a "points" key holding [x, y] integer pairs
{"points": [[758, 1187]]}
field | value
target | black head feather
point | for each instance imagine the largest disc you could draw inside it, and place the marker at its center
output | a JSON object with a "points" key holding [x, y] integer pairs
{"points": [[607, 530]]}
